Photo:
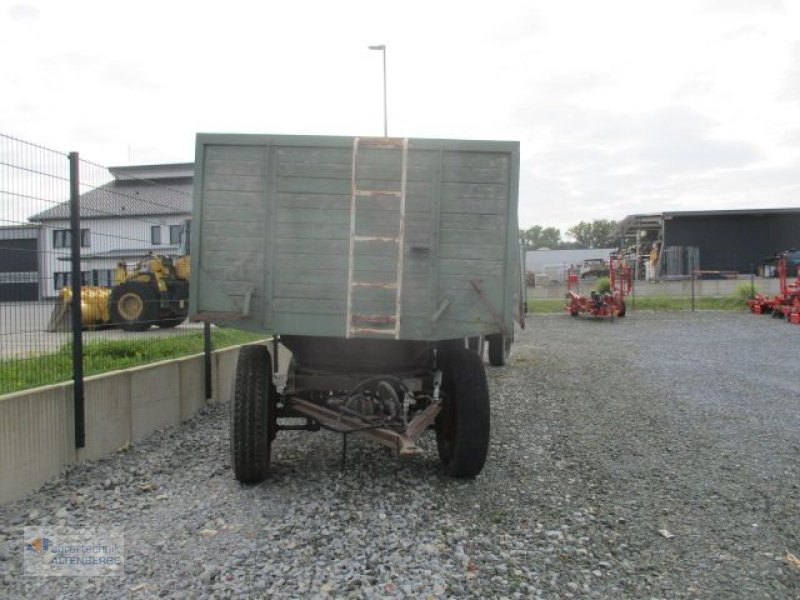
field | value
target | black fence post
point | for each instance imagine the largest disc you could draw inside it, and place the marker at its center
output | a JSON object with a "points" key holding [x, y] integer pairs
{"points": [[207, 348], [752, 281], [693, 276], [77, 334]]}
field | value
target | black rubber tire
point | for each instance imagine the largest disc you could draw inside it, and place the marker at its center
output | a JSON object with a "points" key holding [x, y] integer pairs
{"points": [[171, 322], [499, 349], [462, 427], [476, 344], [622, 309], [253, 414], [134, 291]]}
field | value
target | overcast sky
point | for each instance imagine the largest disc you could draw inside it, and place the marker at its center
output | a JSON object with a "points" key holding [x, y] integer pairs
{"points": [[621, 107]]}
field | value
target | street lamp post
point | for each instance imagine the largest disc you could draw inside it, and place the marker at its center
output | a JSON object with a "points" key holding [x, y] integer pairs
{"points": [[382, 48]]}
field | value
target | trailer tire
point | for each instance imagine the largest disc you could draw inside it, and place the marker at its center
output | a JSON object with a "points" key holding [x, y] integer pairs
{"points": [[462, 427], [476, 344], [134, 306], [253, 414], [499, 349]]}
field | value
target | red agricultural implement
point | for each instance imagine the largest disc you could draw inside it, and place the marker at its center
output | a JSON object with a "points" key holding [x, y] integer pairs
{"points": [[601, 304], [787, 302]]}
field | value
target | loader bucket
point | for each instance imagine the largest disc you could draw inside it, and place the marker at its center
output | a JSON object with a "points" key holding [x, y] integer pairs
{"points": [[94, 308], [59, 318]]}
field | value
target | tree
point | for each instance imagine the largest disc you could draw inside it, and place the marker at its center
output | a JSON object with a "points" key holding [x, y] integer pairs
{"points": [[600, 233], [541, 237]]}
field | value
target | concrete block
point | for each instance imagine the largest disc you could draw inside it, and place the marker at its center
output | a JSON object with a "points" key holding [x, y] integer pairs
{"points": [[107, 402], [155, 398], [192, 386], [36, 438]]}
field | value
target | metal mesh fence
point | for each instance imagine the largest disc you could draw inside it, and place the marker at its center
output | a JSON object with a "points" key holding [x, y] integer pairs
{"points": [[706, 289], [131, 237]]}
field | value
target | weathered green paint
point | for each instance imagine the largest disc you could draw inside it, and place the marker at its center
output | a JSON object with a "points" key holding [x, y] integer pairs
{"points": [[272, 217]]}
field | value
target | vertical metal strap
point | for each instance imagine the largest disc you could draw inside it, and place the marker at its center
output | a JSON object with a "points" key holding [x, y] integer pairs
{"points": [[400, 239], [351, 255]]}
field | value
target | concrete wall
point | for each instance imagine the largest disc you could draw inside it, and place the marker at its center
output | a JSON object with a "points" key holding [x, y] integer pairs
{"points": [[37, 426]]}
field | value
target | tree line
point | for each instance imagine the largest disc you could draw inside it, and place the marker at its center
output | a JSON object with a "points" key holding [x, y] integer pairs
{"points": [[600, 233]]}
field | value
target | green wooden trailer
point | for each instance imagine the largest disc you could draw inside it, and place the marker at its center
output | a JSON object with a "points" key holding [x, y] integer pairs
{"points": [[381, 263]]}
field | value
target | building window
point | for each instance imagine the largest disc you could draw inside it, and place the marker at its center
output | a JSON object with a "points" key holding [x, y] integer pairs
{"points": [[62, 238], [61, 280], [64, 279], [155, 235], [103, 277], [175, 234]]}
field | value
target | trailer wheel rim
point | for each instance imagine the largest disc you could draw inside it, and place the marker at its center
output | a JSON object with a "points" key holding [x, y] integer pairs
{"points": [[130, 306]]}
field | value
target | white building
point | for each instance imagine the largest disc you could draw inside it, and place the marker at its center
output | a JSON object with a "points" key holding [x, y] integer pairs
{"points": [[552, 265], [143, 209]]}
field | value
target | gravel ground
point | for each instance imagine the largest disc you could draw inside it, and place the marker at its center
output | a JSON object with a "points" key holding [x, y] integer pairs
{"points": [[603, 434]]}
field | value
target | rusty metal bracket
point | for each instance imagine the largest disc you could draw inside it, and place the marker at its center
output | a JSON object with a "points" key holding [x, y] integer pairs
{"points": [[403, 444], [476, 285]]}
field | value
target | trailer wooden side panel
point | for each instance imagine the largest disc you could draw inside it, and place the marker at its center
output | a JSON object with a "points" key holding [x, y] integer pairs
{"points": [[304, 235]]}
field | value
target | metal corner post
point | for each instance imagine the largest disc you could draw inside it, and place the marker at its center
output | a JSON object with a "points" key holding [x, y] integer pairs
{"points": [[77, 335]]}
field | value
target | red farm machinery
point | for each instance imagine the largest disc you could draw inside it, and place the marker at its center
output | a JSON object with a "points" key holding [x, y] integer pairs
{"points": [[787, 302], [599, 304]]}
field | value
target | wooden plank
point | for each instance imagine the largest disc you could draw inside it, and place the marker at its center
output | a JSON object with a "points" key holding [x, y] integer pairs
{"points": [[315, 170], [306, 216], [317, 307], [377, 223], [234, 183], [483, 206], [471, 267], [315, 156], [477, 191], [228, 259], [472, 238], [231, 244], [302, 262], [311, 246], [489, 252], [246, 153], [313, 201], [234, 200], [327, 231], [309, 185], [330, 291], [465, 174], [227, 167], [222, 229], [320, 276], [475, 160], [461, 283], [474, 222], [243, 214]]}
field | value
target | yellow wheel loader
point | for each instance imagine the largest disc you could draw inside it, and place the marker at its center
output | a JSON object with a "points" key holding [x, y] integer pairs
{"points": [[156, 292]]}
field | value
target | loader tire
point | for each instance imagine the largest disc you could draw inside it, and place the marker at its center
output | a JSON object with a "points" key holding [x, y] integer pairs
{"points": [[462, 427], [622, 309], [253, 414], [171, 322], [499, 349], [134, 306]]}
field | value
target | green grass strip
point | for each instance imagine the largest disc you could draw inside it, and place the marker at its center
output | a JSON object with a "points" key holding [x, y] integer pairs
{"points": [[652, 303], [102, 356]]}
